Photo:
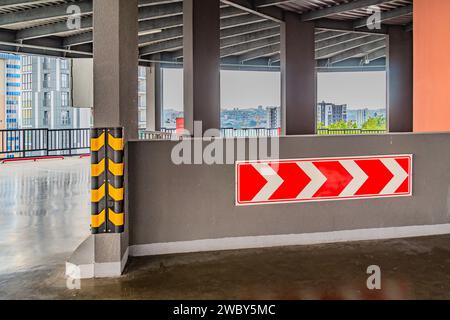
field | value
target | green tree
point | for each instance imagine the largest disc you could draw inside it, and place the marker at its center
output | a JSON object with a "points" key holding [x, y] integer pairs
{"points": [[378, 123], [343, 125]]}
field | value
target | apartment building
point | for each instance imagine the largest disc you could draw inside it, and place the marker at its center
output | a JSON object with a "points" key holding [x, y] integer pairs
{"points": [[46, 93], [329, 113]]}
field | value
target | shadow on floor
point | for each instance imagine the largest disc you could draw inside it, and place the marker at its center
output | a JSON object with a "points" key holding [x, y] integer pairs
{"points": [[411, 269]]}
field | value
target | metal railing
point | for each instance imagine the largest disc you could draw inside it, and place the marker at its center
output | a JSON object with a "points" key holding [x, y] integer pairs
{"points": [[25, 143], [229, 132], [249, 132], [331, 132], [265, 132], [157, 135]]}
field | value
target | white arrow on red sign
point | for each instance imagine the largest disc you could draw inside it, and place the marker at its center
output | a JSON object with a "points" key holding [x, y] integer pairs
{"points": [[302, 180]]}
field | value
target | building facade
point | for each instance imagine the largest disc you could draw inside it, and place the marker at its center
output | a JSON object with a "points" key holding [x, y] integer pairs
{"points": [[10, 88], [330, 113], [362, 116], [46, 93], [10, 91], [142, 98], [273, 117]]}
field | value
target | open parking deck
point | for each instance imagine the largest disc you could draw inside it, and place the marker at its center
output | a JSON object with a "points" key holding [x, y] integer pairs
{"points": [[44, 218]]}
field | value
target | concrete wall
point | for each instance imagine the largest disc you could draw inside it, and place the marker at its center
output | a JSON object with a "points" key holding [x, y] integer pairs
{"points": [[170, 203], [431, 65]]}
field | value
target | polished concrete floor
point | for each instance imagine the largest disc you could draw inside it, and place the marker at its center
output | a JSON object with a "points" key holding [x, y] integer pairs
{"points": [[44, 212]]}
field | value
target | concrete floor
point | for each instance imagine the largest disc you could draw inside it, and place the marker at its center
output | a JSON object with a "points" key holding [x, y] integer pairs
{"points": [[44, 212]]}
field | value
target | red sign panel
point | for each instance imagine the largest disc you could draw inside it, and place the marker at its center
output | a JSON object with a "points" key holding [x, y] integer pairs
{"points": [[324, 179]]}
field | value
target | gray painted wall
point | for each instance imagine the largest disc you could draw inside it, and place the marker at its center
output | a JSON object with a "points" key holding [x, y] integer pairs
{"points": [[190, 202]]}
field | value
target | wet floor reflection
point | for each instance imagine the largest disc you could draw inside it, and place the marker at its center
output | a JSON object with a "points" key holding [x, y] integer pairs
{"points": [[44, 211]]}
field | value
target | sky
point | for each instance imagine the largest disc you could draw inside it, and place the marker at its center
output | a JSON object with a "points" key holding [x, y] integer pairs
{"points": [[250, 89]]}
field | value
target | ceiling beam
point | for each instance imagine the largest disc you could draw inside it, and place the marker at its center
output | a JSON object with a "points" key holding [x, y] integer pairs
{"points": [[272, 13], [386, 15], [52, 29], [246, 46], [249, 37], [7, 4], [345, 25], [147, 22], [346, 46], [357, 51], [174, 32], [161, 46], [339, 39], [375, 55], [260, 52], [328, 35], [249, 42], [267, 3], [41, 14], [239, 43], [340, 8]]}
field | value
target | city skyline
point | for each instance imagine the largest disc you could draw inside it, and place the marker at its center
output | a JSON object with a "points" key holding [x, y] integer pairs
{"points": [[358, 90]]}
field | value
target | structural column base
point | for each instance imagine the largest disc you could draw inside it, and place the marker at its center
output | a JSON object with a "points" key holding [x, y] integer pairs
{"points": [[99, 256]]}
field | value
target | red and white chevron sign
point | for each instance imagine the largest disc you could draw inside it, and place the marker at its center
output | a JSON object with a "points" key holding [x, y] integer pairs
{"points": [[324, 179]]}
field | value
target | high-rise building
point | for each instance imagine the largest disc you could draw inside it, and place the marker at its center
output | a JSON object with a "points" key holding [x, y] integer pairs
{"points": [[10, 73], [10, 84], [142, 98], [330, 113], [273, 117], [46, 93], [362, 115]]}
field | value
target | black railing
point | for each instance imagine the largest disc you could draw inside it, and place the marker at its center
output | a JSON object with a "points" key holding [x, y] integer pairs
{"points": [[25, 143], [331, 132]]}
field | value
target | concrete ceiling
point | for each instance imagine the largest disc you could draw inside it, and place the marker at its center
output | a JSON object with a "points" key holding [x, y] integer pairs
{"points": [[250, 29]]}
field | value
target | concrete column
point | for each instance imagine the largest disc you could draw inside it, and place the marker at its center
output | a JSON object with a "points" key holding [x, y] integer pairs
{"points": [[154, 97], [201, 63], [116, 65], [115, 104], [298, 76], [400, 80]]}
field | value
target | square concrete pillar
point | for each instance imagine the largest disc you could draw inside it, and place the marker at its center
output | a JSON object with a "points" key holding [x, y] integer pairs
{"points": [[116, 65], [154, 97], [400, 80], [201, 63], [298, 76], [115, 105]]}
